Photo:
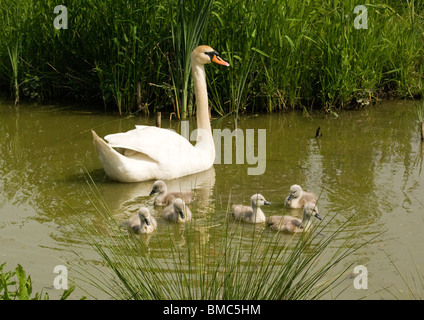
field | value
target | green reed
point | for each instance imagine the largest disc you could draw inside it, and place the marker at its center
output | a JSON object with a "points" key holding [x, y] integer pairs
{"points": [[316, 56], [14, 61], [413, 281], [242, 265], [187, 26], [12, 43], [307, 56]]}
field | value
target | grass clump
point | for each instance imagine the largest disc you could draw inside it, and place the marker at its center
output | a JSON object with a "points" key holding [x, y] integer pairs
{"points": [[187, 26], [413, 281], [248, 262]]}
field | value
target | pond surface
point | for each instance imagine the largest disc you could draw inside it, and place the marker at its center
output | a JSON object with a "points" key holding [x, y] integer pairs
{"points": [[367, 163]]}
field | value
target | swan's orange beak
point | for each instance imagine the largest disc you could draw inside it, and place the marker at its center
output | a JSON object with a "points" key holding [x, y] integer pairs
{"points": [[218, 60]]}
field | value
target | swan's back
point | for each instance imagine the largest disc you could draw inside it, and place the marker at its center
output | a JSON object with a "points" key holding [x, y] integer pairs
{"points": [[298, 198], [187, 196], [148, 153], [148, 140], [241, 212], [285, 223], [309, 197], [293, 224], [165, 198]]}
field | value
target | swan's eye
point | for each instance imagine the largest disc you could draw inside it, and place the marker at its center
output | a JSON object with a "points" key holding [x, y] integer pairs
{"points": [[211, 54]]}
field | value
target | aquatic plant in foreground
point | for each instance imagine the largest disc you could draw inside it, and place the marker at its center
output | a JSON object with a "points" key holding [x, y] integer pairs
{"points": [[15, 285], [242, 266]]}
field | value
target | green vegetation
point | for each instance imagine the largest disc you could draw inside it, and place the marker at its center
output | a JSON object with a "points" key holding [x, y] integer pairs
{"points": [[284, 54], [15, 285], [413, 281], [187, 28]]}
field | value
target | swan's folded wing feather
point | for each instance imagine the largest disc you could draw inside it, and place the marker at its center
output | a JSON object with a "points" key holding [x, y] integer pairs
{"points": [[159, 144]]}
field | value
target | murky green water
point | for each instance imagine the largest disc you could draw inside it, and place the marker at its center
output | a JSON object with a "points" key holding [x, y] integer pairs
{"points": [[368, 163]]}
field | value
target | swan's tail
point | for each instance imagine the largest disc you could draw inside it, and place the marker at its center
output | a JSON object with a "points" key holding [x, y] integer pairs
{"points": [[109, 158], [120, 167], [102, 148]]}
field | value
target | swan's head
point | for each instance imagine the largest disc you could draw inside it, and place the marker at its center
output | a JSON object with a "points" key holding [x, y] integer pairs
{"points": [[158, 187], [205, 54], [144, 215], [259, 200], [295, 192], [311, 210], [179, 207]]}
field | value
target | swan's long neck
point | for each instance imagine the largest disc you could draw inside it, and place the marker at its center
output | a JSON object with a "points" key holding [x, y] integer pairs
{"points": [[257, 212], [204, 132], [201, 93], [306, 221]]}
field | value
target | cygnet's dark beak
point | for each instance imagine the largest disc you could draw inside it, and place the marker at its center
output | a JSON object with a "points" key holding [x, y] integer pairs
{"points": [[181, 213]]}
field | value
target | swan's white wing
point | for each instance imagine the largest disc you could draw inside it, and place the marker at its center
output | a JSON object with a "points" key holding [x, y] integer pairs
{"points": [[159, 144]]}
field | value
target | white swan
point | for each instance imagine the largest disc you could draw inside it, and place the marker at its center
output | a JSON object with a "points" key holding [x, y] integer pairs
{"points": [[293, 224], [151, 153], [252, 214]]}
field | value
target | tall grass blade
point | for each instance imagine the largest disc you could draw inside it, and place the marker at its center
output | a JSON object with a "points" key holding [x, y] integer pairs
{"points": [[187, 27]]}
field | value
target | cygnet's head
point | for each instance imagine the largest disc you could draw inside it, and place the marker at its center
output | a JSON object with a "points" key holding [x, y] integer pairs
{"points": [[311, 210], [144, 215], [295, 192], [158, 187], [179, 207], [259, 200]]}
